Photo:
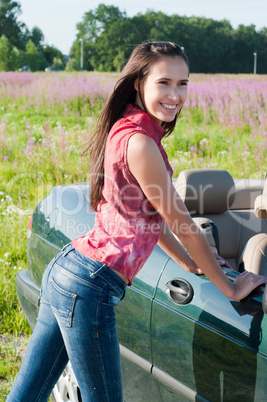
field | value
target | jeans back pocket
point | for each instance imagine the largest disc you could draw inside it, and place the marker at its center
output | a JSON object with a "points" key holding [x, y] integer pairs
{"points": [[62, 303]]}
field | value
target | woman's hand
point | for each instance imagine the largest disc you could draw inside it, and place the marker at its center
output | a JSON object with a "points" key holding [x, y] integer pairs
{"points": [[245, 283], [222, 262]]}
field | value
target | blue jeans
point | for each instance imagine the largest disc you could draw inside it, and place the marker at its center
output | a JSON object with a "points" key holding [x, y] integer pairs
{"points": [[76, 322]]}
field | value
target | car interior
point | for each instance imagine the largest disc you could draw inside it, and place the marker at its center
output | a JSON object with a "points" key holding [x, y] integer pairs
{"points": [[237, 208]]}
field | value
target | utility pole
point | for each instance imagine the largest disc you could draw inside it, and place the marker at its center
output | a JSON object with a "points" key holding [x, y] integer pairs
{"points": [[81, 40], [255, 63]]}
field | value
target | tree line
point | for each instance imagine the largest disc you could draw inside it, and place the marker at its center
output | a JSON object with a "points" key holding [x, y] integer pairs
{"points": [[106, 37], [109, 37]]}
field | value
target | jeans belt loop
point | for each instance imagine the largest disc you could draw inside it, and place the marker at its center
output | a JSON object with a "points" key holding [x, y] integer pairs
{"points": [[66, 249], [93, 275]]}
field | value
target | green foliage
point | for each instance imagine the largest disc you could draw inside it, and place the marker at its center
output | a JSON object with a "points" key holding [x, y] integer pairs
{"points": [[37, 37], [11, 57], [6, 60], [72, 65], [19, 46], [51, 54], [32, 57], [212, 46], [9, 26], [58, 63]]}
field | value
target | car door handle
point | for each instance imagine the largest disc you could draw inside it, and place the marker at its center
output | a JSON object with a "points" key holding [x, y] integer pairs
{"points": [[179, 291]]}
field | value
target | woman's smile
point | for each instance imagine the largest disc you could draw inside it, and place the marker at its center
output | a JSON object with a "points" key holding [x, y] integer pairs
{"points": [[169, 107]]}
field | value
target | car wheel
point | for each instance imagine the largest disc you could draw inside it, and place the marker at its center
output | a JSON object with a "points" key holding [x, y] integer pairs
{"points": [[66, 389]]}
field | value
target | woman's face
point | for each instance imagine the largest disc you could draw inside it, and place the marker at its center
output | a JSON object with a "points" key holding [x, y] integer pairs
{"points": [[164, 90]]}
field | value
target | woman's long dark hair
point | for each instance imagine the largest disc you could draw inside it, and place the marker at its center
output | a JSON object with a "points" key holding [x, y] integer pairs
{"points": [[124, 92]]}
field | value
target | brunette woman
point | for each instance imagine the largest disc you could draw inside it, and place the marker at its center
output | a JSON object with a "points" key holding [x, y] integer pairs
{"points": [[136, 208]]}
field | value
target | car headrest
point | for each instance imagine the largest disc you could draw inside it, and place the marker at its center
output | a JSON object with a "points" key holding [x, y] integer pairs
{"points": [[206, 191], [260, 205]]}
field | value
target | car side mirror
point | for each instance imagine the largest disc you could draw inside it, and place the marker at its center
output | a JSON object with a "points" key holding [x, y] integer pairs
{"points": [[264, 300]]}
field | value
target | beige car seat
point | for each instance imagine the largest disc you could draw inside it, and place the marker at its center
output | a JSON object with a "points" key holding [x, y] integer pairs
{"points": [[254, 257], [210, 193]]}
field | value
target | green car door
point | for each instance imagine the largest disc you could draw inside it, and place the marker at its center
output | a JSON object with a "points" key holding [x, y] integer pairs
{"points": [[205, 346]]}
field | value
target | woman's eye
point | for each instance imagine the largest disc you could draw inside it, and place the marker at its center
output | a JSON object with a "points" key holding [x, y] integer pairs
{"points": [[164, 82], [183, 83]]}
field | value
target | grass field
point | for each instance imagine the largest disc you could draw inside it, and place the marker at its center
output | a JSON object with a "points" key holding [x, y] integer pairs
{"points": [[45, 120]]}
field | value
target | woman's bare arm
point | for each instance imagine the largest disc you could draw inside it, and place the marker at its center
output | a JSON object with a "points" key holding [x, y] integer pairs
{"points": [[147, 166], [173, 248]]}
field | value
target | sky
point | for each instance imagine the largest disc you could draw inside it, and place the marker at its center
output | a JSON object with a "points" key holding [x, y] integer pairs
{"points": [[58, 18]]}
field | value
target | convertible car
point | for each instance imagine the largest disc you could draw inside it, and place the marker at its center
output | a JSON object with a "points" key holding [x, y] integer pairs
{"points": [[181, 339]]}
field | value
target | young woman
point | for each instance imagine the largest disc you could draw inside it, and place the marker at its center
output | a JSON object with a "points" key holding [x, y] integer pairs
{"points": [[136, 207]]}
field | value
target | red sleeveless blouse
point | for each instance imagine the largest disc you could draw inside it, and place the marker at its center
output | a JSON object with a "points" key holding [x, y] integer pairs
{"points": [[127, 227]]}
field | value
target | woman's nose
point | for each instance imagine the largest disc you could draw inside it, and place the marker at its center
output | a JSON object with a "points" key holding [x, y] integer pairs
{"points": [[174, 94]]}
